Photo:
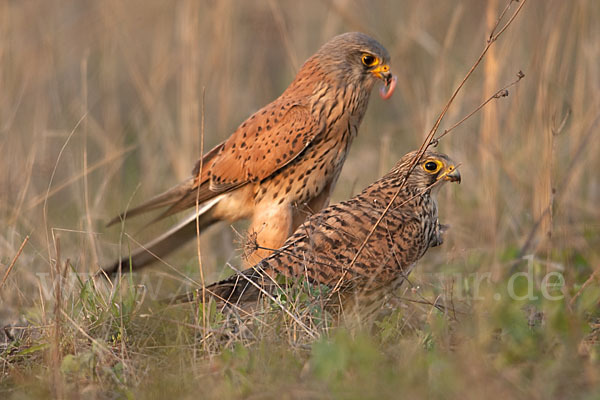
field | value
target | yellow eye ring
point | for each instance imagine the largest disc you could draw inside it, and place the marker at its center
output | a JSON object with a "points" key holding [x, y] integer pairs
{"points": [[369, 60], [432, 166]]}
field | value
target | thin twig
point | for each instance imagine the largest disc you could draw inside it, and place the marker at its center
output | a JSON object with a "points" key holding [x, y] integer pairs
{"points": [[14, 260], [499, 93], [56, 342], [175, 270], [60, 153], [440, 307], [585, 284], [204, 317], [429, 138], [85, 172], [41, 198]]}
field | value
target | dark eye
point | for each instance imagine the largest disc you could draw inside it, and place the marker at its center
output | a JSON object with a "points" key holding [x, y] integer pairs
{"points": [[431, 166], [369, 60]]}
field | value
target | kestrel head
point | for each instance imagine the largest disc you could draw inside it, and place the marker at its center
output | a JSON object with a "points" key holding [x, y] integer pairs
{"points": [[432, 170], [357, 59]]}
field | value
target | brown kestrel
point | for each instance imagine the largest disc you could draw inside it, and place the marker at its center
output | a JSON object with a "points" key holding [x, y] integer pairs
{"points": [[283, 161], [366, 245]]}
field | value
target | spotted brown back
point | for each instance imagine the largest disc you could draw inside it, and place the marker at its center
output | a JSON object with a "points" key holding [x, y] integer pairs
{"points": [[327, 249]]}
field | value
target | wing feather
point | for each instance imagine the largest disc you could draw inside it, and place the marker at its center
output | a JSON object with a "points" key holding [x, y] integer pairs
{"points": [[265, 143]]}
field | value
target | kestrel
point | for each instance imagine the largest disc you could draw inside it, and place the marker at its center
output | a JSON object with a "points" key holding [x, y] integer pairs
{"points": [[281, 163], [364, 245]]}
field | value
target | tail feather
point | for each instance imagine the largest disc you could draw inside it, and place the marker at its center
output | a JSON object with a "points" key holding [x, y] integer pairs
{"points": [[202, 195], [184, 195], [243, 288], [167, 242]]}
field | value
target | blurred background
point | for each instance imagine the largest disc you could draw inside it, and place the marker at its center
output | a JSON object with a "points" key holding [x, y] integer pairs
{"points": [[102, 105]]}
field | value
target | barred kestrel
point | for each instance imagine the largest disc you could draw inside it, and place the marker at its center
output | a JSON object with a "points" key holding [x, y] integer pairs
{"points": [[324, 249], [282, 161]]}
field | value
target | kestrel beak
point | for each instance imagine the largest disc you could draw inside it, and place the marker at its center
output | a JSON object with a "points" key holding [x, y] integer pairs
{"points": [[382, 72], [450, 174]]}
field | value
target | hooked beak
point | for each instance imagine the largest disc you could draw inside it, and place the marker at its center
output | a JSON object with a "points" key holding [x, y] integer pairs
{"points": [[450, 174], [382, 71]]}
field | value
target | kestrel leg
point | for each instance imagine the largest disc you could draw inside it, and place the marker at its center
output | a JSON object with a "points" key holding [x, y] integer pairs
{"points": [[271, 226]]}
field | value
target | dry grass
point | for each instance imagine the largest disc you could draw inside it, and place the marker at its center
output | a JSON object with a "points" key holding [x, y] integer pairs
{"points": [[101, 107]]}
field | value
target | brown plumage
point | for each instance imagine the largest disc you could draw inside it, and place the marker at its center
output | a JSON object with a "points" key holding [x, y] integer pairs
{"points": [[283, 160], [323, 249]]}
